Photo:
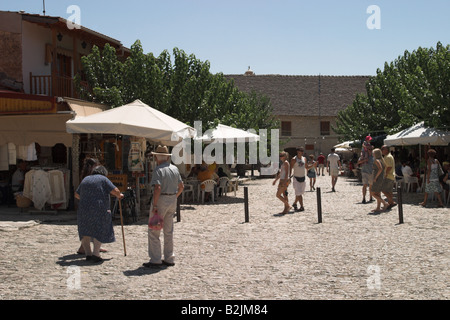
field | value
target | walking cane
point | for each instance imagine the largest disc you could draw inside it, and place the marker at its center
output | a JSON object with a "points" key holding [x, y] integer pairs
{"points": [[121, 222]]}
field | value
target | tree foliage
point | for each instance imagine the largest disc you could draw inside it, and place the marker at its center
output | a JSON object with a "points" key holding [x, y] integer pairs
{"points": [[181, 86], [413, 88]]}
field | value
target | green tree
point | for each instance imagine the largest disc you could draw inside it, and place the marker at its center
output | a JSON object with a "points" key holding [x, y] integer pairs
{"points": [[104, 74], [182, 87], [413, 88]]}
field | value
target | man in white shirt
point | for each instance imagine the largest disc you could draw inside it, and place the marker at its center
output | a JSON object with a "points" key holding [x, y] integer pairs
{"points": [[18, 177], [408, 174], [333, 167], [406, 170]]}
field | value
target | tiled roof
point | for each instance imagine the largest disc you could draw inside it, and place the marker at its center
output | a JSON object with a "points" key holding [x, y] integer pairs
{"points": [[61, 23], [299, 95]]}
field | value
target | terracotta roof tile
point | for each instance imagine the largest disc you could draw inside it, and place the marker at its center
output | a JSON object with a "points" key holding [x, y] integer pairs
{"points": [[299, 95]]}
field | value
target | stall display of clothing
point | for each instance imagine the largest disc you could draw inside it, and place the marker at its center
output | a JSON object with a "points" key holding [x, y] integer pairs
{"points": [[9, 153], [47, 187]]}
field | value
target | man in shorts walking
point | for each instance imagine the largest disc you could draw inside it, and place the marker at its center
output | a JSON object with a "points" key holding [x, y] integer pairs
{"points": [[333, 167], [389, 178]]}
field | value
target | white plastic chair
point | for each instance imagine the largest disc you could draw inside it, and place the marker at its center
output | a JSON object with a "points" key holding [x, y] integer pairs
{"points": [[207, 186], [234, 185], [223, 185], [195, 185], [409, 181], [188, 188], [399, 182]]}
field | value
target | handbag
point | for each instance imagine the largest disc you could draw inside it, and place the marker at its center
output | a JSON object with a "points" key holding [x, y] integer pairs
{"points": [[300, 179], [156, 222]]}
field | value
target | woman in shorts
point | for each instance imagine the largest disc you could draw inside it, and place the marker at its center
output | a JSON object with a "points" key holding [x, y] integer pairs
{"points": [[283, 176], [312, 172]]}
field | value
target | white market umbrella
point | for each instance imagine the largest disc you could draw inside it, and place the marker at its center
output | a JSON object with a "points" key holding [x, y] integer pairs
{"points": [[225, 134], [342, 150], [418, 134], [345, 144], [134, 119]]}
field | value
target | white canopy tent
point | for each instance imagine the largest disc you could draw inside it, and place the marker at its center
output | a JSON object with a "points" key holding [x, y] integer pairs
{"points": [[134, 119], [228, 134], [346, 144], [223, 134], [418, 135]]}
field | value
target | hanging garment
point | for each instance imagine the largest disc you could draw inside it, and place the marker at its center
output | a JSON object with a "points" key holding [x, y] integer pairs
{"points": [[12, 154], [4, 163], [31, 152], [41, 189], [27, 153], [58, 192], [135, 162], [28, 185]]}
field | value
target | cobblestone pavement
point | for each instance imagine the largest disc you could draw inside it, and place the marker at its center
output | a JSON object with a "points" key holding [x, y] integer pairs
{"points": [[352, 254]]}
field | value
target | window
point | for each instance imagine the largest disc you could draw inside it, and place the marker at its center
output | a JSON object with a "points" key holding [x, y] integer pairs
{"points": [[324, 128], [286, 128]]}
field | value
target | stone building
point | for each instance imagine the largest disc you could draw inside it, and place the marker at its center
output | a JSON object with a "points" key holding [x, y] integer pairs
{"points": [[307, 106]]}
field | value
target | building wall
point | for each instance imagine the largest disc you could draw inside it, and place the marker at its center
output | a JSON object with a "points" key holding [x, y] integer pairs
{"points": [[305, 131], [10, 47], [34, 39]]}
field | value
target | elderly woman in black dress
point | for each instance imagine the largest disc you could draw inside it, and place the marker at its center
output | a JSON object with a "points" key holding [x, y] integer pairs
{"points": [[94, 214]]}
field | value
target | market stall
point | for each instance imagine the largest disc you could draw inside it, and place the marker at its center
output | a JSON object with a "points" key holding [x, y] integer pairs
{"points": [[418, 135], [33, 133], [131, 130]]}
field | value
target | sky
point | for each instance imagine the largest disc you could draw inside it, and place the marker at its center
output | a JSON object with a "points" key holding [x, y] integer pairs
{"points": [[287, 37]]}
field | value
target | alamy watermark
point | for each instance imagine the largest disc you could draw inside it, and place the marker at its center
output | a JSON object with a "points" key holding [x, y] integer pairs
{"points": [[74, 278], [74, 20], [374, 20], [374, 279], [214, 150]]}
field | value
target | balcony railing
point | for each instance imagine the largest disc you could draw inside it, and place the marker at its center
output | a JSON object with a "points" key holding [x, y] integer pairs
{"points": [[56, 85]]}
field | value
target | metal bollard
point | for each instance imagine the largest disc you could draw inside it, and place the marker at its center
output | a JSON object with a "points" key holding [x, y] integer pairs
{"points": [[246, 204], [319, 205], [178, 209], [400, 204]]}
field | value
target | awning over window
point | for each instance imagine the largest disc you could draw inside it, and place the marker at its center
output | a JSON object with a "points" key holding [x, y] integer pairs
{"points": [[45, 129], [84, 108]]}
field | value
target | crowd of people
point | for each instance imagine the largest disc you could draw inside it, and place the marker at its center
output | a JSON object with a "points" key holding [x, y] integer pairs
{"points": [[95, 220], [378, 175], [297, 169]]}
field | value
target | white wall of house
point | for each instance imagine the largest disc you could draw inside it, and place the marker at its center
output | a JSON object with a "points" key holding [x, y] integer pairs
{"points": [[34, 38]]}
